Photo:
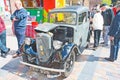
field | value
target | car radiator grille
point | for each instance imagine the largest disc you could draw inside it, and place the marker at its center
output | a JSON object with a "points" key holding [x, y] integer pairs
{"points": [[43, 42]]}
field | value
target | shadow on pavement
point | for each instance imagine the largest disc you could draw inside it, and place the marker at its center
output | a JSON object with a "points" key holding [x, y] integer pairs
{"points": [[90, 58], [15, 67]]}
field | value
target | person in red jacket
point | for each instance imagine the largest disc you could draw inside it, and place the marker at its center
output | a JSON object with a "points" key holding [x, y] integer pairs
{"points": [[114, 10], [3, 48]]}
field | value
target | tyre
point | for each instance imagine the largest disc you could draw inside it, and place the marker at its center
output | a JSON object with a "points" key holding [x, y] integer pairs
{"points": [[69, 64], [24, 58]]}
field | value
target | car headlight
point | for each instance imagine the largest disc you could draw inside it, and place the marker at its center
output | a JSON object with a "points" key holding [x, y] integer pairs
{"points": [[27, 41], [57, 44]]}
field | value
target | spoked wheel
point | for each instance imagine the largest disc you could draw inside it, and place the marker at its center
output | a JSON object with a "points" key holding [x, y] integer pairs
{"points": [[69, 64], [24, 57]]}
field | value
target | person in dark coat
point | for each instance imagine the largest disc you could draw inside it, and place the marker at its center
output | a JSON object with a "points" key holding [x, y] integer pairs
{"points": [[108, 16], [19, 17], [114, 34]]}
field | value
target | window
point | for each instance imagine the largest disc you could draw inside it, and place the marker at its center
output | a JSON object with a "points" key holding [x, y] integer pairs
{"points": [[63, 18], [82, 18]]}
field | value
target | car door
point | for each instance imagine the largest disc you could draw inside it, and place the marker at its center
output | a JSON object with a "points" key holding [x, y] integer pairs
{"points": [[83, 27]]}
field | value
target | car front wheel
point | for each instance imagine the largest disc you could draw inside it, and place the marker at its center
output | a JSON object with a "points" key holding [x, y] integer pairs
{"points": [[69, 64]]}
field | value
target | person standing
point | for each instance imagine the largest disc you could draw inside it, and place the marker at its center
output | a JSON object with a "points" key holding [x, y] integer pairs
{"points": [[114, 10], [97, 27], [108, 16], [114, 34], [91, 15], [19, 17], [3, 48]]}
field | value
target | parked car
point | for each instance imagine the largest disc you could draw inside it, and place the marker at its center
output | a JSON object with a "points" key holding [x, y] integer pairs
{"points": [[58, 42]]}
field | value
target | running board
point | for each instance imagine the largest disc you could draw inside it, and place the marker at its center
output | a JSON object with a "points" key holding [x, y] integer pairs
{"points": [[43, 68]]}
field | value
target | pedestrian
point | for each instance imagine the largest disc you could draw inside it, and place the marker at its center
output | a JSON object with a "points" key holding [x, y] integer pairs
{"points": [[19, 18], [114, 10], [3, 48], [114, 34], [108, 16], [91, 14], [97, 27]]}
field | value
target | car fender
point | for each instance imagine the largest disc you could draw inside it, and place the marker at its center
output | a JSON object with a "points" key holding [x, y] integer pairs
{"points": [[66, 50], [27, 49]]}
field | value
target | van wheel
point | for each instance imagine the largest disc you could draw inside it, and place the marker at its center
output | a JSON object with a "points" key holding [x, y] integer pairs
{"points": [[69, 64]]}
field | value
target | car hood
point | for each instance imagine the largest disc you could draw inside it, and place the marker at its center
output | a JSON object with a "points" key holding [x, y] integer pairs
{"points": [[46, 27]]}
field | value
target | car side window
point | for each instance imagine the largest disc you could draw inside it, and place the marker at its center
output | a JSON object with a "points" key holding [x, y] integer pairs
{"points": [[82, 18]]}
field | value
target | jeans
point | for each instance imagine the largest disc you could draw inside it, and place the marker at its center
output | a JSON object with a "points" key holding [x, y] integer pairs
{"points": [[114, 49], [3, 47], [105, 34], [97, 34], [89, 35], [20, 35]]}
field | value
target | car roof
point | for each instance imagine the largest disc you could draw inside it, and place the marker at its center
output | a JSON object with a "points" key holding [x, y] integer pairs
{"points": [[76, 8]]}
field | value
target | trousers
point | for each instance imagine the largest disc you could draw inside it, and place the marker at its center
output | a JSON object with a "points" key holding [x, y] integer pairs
{"points": [[97, 34], [20, 35], [114, 48], [105, 34], [3, 47]]}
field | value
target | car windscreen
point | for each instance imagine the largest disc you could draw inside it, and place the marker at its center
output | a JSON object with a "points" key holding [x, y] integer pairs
{"points": [[63, 18]]}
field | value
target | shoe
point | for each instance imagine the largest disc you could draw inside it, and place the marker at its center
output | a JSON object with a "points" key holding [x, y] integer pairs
{"points": [[102, 42], [4, 54], [16, 55], [108, 59], [7, 51], [87, 46], [105, 45], [94, 48]]}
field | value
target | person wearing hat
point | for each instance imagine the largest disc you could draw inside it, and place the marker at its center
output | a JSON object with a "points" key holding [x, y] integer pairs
{"points": [[97, 27], [108, 16], [114, 34]]}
